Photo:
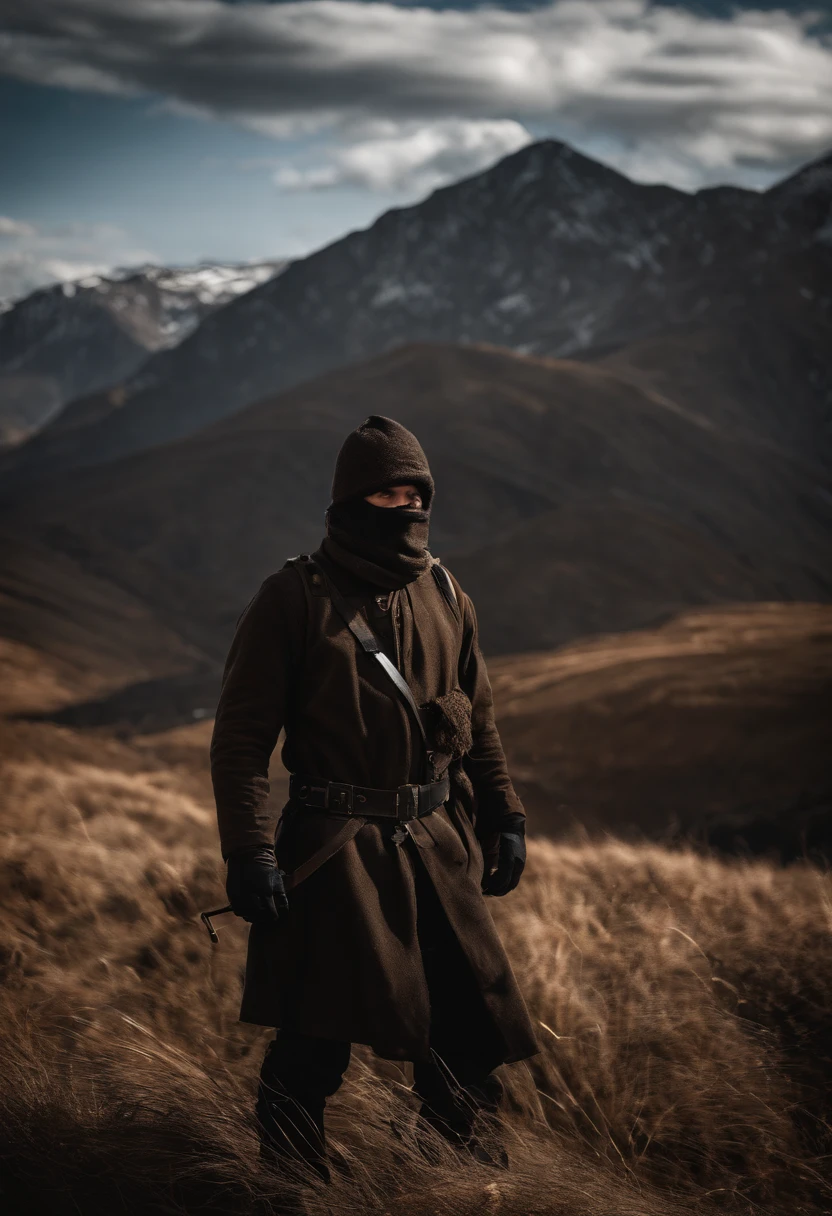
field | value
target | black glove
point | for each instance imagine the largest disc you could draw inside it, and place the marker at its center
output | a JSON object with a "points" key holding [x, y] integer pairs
{"points": [[510, 864], [255, 886]]}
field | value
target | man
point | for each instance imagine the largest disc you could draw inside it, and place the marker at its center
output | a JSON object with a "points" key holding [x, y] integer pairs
{"points": [[384, 937]]}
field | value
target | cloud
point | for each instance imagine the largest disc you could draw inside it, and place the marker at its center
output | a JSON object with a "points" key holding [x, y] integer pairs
{"points": [[670, 93], [411, 157], [32, 256], [15, 228]]}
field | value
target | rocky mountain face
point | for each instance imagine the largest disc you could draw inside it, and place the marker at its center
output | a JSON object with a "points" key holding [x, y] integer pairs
{"points": [[547, 253], [75, 339]]}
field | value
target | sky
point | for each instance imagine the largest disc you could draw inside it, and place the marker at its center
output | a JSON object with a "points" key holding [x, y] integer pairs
{"points": [[178, 131]]}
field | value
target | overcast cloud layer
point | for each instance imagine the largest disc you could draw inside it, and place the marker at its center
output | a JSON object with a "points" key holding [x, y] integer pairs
{"points": [[413, 97], [394, 101]]}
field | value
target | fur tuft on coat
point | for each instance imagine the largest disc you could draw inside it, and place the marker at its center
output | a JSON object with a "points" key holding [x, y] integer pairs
{"points": [[449, 723]]}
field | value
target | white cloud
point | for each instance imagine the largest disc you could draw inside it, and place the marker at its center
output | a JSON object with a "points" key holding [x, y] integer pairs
{"points": [[15, 228], [673, 94], [411, 157], [322, 177], [32, 256]]}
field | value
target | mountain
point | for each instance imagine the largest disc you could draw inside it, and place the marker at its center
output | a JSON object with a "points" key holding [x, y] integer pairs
{"points": [[78, 338], [569, 501], [548, 253]]}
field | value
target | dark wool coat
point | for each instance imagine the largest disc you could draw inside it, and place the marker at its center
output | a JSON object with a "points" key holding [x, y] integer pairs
{"points": [[345, 962]]}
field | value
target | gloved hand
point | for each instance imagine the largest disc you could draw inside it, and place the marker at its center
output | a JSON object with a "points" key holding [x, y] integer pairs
{"points": [[255, 886], [511, 861]]}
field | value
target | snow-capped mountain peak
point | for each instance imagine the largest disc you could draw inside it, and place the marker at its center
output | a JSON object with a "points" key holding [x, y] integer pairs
{"points": [[77, 337]]}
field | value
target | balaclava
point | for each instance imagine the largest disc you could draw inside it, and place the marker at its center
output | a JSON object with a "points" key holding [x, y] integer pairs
{"points": [[385, 545]]}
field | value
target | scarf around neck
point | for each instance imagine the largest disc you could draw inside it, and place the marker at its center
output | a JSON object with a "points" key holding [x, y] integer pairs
{"points": [[387, 546]]}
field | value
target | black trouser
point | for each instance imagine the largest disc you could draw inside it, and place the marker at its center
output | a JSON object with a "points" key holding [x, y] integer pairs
{"points": [[299, 1072]]}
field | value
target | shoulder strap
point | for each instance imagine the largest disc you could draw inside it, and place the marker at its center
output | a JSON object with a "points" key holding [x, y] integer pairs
{"points": [[443, 580], [369, 643]]}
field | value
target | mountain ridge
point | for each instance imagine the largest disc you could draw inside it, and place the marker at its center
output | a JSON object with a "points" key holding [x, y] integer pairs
{"points": [[546, 252]]}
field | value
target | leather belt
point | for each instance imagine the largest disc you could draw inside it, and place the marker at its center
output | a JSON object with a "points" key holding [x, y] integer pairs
{"points": [[338, 798]]}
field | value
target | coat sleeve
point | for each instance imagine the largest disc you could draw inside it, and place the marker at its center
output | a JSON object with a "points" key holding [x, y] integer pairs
{"points": [[498, 807], [256, 689]]}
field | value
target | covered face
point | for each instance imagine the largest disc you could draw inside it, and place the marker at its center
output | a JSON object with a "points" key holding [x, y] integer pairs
{"points": [[387, 546]]}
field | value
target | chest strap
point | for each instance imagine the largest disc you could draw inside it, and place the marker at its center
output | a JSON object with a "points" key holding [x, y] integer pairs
{"points": [[370, 644]]}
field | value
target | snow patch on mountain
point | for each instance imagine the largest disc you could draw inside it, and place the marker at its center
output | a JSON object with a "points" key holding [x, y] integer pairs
{"points": [[400, 293], [179, 296]]}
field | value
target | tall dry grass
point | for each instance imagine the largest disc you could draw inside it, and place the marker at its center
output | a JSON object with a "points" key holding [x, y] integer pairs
{"points": [[683, 1004]]}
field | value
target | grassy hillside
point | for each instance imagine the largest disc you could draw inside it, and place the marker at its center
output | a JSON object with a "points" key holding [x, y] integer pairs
{"points": [[682, 1005], [715, 726]]}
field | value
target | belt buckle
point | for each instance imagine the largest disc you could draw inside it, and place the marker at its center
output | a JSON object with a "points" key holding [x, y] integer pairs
{"points": [[409, 794], [339, 797]]}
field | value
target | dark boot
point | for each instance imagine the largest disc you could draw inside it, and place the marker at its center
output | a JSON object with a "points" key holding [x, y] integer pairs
{"points": [[464, 1115], [298, 1074]]}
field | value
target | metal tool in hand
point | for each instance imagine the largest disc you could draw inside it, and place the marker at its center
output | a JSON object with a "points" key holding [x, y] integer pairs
{"points": [[205, 917]]}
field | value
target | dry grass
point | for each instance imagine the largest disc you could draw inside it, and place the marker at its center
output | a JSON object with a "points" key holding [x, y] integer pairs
{"points": [[687, 1002], [683, 1004]]}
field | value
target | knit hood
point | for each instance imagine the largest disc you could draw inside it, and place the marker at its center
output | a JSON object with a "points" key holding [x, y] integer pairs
{"points": [[379, 453]]}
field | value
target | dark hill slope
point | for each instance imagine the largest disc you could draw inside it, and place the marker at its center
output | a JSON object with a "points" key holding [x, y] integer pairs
{"points": [[568, 500]]}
